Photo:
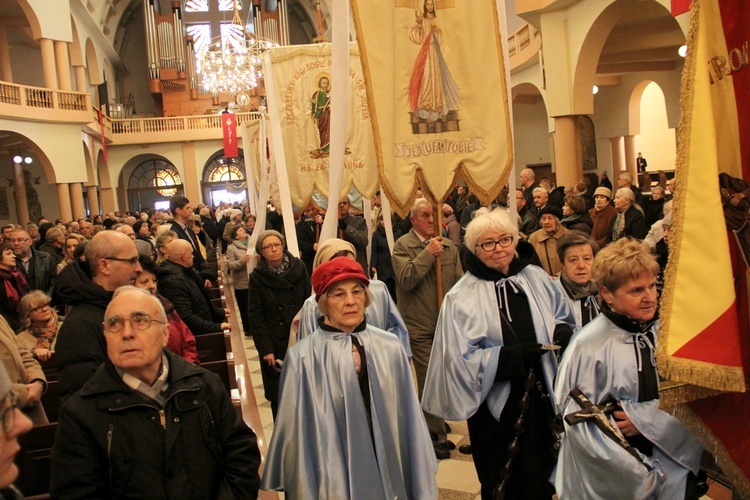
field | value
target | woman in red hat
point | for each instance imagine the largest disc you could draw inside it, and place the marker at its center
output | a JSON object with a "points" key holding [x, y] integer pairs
{"points": [[349, 423]]}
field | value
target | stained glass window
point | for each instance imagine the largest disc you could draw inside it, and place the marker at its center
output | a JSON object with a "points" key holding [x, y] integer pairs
{"points": [[201, 34], [228, 5], [158, 174], [221, 169], [197, 5]]}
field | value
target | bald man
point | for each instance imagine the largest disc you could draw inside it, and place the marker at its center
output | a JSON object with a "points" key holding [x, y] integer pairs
{"points": [[183, 287], [87, 287], [528, 183]]}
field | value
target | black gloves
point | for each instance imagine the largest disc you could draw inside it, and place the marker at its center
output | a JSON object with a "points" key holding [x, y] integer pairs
{"points": [[514, 361]]}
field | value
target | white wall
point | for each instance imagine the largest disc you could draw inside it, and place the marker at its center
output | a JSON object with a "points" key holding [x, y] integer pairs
{"points": [[656, 141]]}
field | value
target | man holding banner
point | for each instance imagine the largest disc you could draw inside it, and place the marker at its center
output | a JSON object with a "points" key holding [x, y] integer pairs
{"points": [[414, 257]]}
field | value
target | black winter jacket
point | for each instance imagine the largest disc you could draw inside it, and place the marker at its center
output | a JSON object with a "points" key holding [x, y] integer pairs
{"points": [[183, 287], [273, 302], [113, 442], [80, 347]]}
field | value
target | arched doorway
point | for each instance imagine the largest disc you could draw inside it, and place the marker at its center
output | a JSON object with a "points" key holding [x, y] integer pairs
{"points": [[224, 179], [152, 183]]}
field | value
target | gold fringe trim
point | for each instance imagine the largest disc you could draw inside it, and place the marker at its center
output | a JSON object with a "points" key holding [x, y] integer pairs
{"points": [[740, 483], [698, 372], [709, 375], [672, 394]]}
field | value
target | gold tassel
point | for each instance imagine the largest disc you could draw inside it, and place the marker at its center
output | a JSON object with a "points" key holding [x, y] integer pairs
{"points": [[740, 483]]}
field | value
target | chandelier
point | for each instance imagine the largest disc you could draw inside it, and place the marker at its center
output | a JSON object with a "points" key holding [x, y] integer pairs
{"points": [[231, 63]]}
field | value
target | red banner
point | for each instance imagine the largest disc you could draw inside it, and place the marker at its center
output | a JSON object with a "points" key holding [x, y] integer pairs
{"points": [[229, 129], [680, 7]]}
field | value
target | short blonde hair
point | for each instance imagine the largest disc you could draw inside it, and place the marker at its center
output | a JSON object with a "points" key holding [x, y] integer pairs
{"points": [[497, 219], [29, 302], [621, 261]]}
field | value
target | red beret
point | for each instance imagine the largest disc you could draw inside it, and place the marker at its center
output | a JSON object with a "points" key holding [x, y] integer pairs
{"points": [[335, 270]]}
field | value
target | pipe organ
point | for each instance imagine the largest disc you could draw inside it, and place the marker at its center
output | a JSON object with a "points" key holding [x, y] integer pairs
{"points": [[171, 55]]}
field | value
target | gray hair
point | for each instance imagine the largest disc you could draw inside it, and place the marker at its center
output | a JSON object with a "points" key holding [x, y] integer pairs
{"points": [[418, 203], [626, 175], [146, 294], [628, 194], [539, 189], [52, 234], [497, 219]]}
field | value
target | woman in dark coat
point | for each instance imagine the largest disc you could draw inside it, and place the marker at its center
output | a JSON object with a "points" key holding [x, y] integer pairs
{"points": [[575, 215], [277, 288], [629, 222], [13, 287]]}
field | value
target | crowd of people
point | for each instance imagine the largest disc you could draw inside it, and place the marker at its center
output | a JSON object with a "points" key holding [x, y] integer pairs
{"points": [[506, 322]]}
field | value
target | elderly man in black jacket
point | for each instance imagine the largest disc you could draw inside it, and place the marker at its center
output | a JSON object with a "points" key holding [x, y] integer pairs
{"points": [[183, 287], [149, 424]]}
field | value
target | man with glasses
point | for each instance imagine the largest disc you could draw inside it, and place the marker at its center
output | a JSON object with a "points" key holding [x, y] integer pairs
{"points": [[149, 424], [37, 267], [183, 287], [87, 287], [14, 423]]}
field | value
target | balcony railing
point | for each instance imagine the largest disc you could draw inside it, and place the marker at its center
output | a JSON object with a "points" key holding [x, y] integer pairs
{"points": [[34, 103], [173, 124], [522, 45]]}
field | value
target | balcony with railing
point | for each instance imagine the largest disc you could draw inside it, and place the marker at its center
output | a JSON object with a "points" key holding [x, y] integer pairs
{"points": [[170, 129], [523, 46], [23, 102]]}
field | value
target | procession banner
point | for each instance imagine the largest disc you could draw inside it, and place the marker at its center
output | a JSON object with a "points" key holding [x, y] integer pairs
{"points": [[251, 143], [302, 84], [436, 84], [229, 131], [704, 336]]}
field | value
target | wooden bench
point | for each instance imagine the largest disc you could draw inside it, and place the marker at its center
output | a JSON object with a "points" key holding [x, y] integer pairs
{"points": [[212, 347], [34, 461], [51, 401], [49, 368]]}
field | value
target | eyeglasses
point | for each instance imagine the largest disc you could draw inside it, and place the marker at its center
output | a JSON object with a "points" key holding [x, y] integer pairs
{"points": [[19, 240], [8, 414], [271, 245], [138, 320], [340, 295], [40, 308], [131, 260], [489, 246]]}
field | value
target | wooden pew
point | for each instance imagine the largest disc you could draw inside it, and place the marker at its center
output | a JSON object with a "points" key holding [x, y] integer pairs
{"points": [[212, 347], [49, 368], [34, 461], [51, 401]]}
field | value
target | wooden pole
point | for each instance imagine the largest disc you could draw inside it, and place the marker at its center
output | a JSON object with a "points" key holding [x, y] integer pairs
{"points": [[438, 224]]}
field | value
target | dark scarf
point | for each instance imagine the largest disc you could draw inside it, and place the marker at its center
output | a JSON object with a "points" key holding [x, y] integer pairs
{"points": [[283, 268], [15, 287], [576, 291]]}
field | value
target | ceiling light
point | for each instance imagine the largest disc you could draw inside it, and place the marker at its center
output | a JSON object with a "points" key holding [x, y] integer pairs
{"points": [[682, 50], [596, 89]]}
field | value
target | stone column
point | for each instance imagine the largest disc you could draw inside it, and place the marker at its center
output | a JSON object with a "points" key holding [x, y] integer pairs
{"points": [[191, 184], [630, 156], [49, 69], [618, 156], [6, 73], [19, 193], [80, 72], [63, 200], [63, 65], [567, 167], [76, 200], [108, 200], [93, 198]]}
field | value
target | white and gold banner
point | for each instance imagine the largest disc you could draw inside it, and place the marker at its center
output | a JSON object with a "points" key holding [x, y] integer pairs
{"points": [[436, 80], [302, 83]]}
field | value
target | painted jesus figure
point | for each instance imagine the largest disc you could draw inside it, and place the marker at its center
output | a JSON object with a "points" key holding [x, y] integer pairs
{"points": [[432, 91]]}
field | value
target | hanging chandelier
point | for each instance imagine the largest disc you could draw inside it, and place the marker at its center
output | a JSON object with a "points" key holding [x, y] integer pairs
{"points": [[231, 63]]}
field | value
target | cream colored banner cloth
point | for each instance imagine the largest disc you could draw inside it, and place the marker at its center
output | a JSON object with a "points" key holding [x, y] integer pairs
{"points": [[302, 82], [435, 77], [252, 144]]}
